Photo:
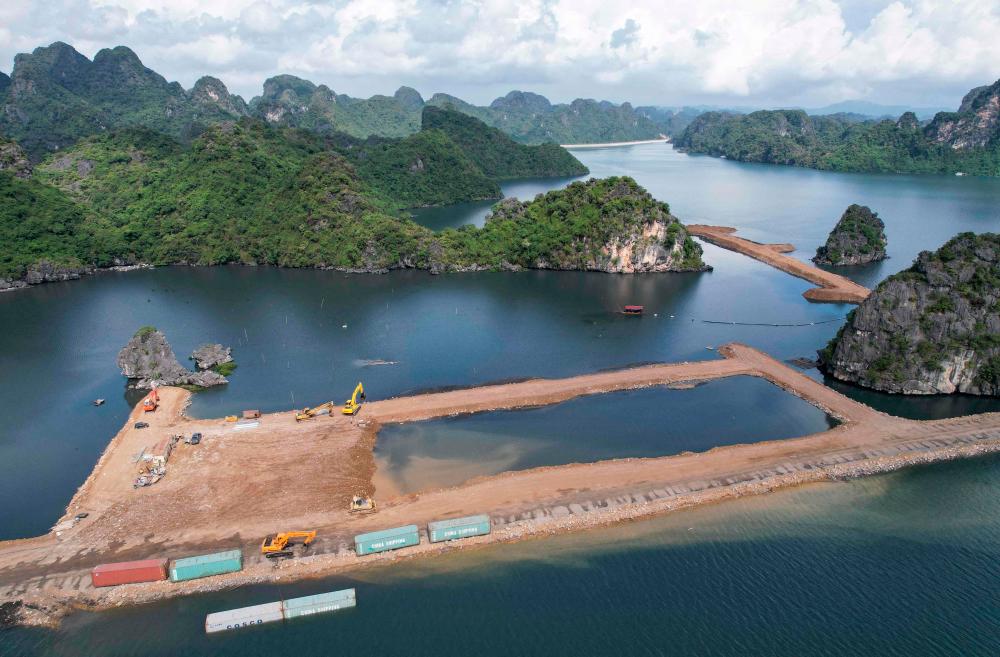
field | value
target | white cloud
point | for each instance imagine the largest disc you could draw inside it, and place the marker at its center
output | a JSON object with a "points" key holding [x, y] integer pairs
{"points": [[646, 51]]}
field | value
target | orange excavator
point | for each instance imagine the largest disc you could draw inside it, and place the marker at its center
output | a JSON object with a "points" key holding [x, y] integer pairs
{"points": [[151, 402], [278, 545]]}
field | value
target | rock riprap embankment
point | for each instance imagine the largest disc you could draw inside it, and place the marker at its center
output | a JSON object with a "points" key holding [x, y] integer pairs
{"points": [[208, 356], [931, 329], [148, 359], [857, 239]]}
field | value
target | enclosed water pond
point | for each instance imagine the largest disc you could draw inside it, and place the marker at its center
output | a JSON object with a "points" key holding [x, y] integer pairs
{"points": [[659, 421]]}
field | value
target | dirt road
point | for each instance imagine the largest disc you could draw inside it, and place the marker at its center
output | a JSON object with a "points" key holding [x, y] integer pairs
{"points": [[243, 483], [832, 287]]}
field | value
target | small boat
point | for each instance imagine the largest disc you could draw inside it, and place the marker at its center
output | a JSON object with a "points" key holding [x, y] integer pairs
{"points": [[98, 402], [633, 310]]}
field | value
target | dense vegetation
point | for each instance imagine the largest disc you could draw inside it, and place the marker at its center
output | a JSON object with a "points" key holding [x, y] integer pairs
{"points": [[933, 328], [496, 154], [427, 168], [247, 193], [39, 223], [570, 229], [965, 141]]}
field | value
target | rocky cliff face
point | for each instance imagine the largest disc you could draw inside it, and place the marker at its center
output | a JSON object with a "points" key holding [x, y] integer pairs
{"points": [[976, 124], [57, 96], [148, 359], [932, 329], [208, 356], [13, 159], [857, 239]]}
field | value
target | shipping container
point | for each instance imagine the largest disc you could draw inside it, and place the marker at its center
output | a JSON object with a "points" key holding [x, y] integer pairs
{"points": [[318, 604], [129, 572], [234, 619], [449, 530], [387, 539], [206, 565]]}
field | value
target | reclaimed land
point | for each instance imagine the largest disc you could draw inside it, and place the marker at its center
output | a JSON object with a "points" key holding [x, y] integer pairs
{"points": [[833, 288], [241, 484]]}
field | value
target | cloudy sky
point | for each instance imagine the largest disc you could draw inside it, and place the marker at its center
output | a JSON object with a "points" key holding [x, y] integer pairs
{"points": [[668, 52]]}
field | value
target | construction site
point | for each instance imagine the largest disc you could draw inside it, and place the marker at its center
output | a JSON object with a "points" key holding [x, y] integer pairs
{"points": [[248, 481]]}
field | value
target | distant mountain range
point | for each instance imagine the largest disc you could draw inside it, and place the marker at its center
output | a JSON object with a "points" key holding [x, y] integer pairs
{"points": [[55, 96], [866, 109], [966, 141]]}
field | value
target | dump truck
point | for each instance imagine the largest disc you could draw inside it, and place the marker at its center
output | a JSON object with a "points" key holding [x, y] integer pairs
{"points": [[279, 545], [353, 405]]}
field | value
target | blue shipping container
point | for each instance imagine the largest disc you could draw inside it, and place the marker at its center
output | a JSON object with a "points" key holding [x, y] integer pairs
{"points": [[387, 539], [206, 565], [449, 530]]}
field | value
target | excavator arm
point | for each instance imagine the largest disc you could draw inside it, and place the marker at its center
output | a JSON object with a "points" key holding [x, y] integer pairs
{"points": [[353, 405], [277, 545]]}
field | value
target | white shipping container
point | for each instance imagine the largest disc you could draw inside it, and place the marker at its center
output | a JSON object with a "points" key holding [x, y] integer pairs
{"points": [[233, 619]]}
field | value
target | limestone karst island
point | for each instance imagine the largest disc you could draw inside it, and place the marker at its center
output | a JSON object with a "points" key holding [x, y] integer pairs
{"points": [[499, 328]]}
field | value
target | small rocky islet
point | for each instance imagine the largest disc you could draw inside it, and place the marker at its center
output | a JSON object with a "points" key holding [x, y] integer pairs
{"points": [[931, 329], [148, 360], [857, 239]]}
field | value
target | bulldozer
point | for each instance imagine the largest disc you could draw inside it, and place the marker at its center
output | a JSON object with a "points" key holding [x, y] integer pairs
{"points": [[353, 405], [362, 504], [279, 545], [322, 409]]}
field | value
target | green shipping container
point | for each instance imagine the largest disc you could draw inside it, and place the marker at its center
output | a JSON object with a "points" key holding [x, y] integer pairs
{"points": [[206, 565], [387, 539], [449, 530], [319, 604]]}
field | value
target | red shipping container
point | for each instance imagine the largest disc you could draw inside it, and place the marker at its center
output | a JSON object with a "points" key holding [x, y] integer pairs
{"points": [[129, 572]]}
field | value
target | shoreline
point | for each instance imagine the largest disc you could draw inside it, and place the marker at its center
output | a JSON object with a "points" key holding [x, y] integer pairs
{"points": [[52, 572], [49, 612], [614, 144]]}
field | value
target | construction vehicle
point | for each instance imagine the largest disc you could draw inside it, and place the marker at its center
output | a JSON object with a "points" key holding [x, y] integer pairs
{"points": [[279, 545], [151, 402], [362, 504], [322, 409], [353, 405]]}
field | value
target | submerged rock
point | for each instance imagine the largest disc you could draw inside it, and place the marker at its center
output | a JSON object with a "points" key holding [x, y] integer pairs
{"points": [[208, 356], [932, 329], [148, 359], [857, 239]]}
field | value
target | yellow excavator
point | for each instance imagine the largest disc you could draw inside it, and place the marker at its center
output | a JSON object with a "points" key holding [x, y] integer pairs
{"points": [[278, 545], [322, 409], [353, 405]]}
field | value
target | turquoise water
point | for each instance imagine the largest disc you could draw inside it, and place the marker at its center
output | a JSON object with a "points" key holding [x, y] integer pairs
{"points": [[900, 565], [638, 423], [897, 565]]}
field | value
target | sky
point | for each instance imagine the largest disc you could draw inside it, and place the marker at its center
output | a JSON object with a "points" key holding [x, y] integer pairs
{"points": [[760, 53]]}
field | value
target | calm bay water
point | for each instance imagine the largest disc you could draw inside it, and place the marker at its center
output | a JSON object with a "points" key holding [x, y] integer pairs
{"points": [[903, 564], [637, 423]]}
